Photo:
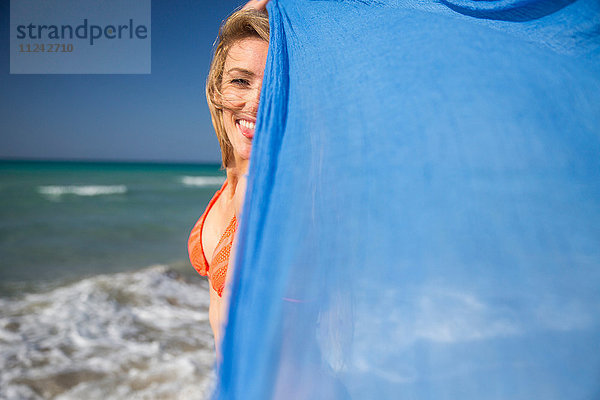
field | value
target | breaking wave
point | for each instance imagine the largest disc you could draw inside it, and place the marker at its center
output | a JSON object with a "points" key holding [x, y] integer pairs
{"points": [[202, 181], [135, 335], [91, 190]]}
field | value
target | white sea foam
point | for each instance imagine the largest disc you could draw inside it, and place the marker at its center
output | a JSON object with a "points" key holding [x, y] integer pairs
{"points": [[140, 335], [84, 190], [202, 181]]}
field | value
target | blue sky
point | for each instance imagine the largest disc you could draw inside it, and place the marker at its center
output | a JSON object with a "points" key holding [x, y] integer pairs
{"points": [[157, 117]]}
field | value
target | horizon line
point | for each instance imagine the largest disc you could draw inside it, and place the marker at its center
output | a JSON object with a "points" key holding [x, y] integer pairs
{"points": [[104, 161]]}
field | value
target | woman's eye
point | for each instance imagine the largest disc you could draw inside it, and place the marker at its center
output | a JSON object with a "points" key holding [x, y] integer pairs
{"points": [[240, 82]]}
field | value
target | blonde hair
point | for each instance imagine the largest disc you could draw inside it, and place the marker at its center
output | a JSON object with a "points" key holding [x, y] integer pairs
{"points": [[240, 25]]}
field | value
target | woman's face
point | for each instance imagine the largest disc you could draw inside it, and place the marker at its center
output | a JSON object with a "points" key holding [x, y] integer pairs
{"points": [[242, 80]]}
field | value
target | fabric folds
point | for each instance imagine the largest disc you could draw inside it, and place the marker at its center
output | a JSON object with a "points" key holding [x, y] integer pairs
{"points": [[423, 214]]}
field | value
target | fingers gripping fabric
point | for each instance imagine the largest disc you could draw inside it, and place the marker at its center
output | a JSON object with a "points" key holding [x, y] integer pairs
{"points": [[423, 213]]}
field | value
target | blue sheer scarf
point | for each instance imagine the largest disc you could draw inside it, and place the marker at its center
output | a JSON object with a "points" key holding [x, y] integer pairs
{"points": [[423, 214]]}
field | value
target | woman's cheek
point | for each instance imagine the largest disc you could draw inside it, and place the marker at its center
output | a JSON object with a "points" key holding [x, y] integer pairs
{"points": [[232, 99]]}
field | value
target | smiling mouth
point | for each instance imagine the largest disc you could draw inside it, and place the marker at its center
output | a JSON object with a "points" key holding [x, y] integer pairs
{"points": [[246, 127]]}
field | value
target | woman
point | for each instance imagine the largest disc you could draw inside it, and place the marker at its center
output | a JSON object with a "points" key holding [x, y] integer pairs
{"points": [[233, 92]]}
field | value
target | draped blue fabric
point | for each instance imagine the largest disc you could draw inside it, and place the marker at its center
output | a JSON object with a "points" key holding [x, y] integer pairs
{"points": [[423, 212]]}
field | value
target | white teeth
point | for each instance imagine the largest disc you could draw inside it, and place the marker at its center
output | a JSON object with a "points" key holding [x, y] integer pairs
{"points": [[247, 124]]}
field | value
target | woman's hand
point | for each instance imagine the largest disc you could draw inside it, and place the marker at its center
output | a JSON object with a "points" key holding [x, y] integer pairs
{"points": [[259, 5]]}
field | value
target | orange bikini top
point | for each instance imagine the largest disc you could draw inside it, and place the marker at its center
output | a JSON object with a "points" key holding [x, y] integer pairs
{"points": [[217, 269]]}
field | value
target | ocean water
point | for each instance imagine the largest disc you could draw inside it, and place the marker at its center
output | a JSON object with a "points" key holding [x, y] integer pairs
{"points": [[97, 296]]}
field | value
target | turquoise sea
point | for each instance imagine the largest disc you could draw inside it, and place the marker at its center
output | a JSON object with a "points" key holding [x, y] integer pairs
{"points": [[97, 296]]}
